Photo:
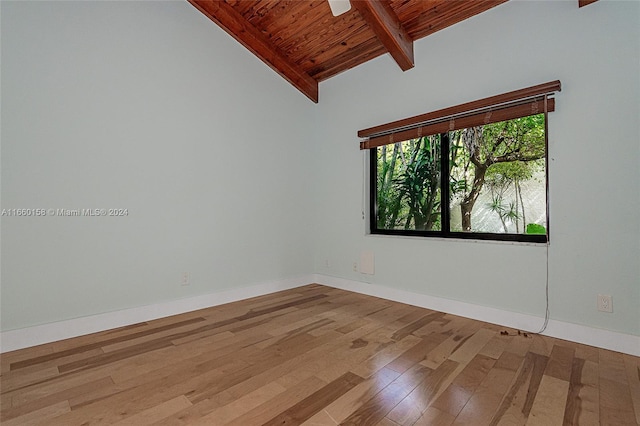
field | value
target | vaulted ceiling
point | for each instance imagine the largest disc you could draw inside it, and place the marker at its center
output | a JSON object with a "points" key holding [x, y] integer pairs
{"points": [[303, 42]]}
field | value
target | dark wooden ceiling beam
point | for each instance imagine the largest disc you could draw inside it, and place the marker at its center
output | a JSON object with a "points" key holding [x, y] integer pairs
{"points": [[585, 2], [250, 37], [389, 30]]}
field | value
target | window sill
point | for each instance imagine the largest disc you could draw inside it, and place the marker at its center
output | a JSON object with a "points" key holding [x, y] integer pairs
{"points": [[458, 240]]}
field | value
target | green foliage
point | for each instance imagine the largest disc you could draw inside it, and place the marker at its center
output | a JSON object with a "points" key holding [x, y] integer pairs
{"points": [[418, 183], [517, 139], [498, 178], [534, 228], [513, 171], [507, 213], [408, 185], [389, 202], [500, 155]]}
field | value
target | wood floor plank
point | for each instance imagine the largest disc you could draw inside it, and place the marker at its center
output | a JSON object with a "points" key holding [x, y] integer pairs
{"points": [[133, 400], [39, 416], [297, 368], [98, 344], [196, 412], [550, 402], [9, 358], [386, 422], [51, 386], [560, 362], [416, 353], [360, 350], [410, 409], [322, 418], [11, 382], [452, 400], [155, 414], [271, 359], [439, 354], [494, 347], [464, 385], [612, 366], [482, 406], [185, 330], [234, 409], [588, 353], [517, 403], [181, 378], [474, 372], [434, 417], [384, 356], [53, 399], [632, 367], [315, 402], [178, 356], [384, 401], [228, 359], [415, 325], [616, 404], [353, 325], [518, 344], [163, 342], [312, 362], [56, 362], [582, 406], [352, 400], [541, 345], [470, 346], [280, 403], [305, 321], [317, 355]]}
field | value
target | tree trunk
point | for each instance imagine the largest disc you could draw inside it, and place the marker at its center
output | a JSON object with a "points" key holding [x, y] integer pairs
{"points": [[407, 222], [517, 208], [465, 209], [389, 207], [392, 167], [504, 225], [419, 221], [429, 216], [524, 217], [469, 201]]}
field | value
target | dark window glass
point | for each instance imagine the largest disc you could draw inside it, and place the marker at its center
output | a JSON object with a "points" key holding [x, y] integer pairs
{"points": [[485, 182]]}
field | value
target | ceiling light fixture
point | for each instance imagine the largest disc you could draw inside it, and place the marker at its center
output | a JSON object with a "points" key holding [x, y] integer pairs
{"points": [[338, 7]]}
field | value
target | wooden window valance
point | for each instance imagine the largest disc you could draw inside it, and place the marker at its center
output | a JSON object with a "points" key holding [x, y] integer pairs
{"points": [[519, 103]]}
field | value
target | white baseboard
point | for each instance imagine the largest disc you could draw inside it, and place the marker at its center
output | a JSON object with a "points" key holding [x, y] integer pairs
{"points": [[606, 339], [46, 333], [31, 336]]}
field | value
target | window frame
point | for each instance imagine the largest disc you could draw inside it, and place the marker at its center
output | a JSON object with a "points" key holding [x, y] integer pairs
{"points": [[445, 208]]}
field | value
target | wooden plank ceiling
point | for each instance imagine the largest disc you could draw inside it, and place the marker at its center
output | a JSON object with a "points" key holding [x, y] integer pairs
{"points": [[303, 42]]}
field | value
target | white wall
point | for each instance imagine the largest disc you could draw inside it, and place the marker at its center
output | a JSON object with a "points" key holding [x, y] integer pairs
{"points": [[594, 168], [147, 106]]}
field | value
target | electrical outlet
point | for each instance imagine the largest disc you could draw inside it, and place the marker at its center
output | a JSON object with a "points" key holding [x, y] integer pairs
{"points": [[355, 266], [327, 264], [186, 279], [605, 303]]}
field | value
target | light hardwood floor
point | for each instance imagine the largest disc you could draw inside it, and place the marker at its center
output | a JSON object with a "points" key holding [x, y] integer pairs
{"points": [[317, 355]]}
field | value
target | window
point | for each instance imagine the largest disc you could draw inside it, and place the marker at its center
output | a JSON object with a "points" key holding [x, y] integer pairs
{"points": [[479, 173]]}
